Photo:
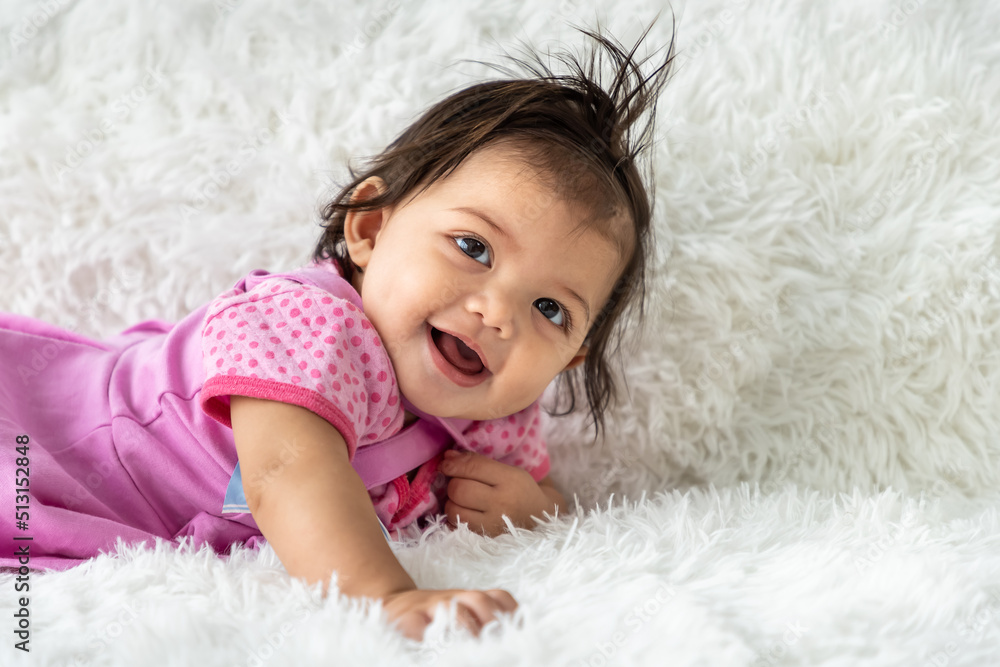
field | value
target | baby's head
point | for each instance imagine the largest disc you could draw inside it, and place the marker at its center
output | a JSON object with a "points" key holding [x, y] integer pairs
{"points": [[500, 239]]}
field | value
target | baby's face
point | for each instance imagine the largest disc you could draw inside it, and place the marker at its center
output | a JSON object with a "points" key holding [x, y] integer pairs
{"points": [[480, 290]]}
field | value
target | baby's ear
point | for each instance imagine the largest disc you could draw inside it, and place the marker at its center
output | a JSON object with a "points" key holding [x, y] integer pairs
{"points": [[362, 227]]}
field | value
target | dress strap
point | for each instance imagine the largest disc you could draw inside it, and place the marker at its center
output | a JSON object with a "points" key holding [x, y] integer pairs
{"points": [[384, 461]]}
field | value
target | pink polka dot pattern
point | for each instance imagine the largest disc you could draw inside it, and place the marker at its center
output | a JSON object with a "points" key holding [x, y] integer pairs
{"points": [[514, 440], [292, 330]]}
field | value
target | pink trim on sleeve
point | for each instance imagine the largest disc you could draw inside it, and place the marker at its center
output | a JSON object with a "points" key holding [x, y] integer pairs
{"points": [[219, 386]]}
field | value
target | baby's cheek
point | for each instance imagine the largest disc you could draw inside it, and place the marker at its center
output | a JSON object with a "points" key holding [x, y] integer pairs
{"points": [[516, 401]]}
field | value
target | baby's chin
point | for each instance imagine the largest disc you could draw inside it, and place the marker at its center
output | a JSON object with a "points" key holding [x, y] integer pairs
{"points": [[475, 411]]}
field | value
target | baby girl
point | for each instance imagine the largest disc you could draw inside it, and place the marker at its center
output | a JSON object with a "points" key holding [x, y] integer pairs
{"points": [[494, 245]]}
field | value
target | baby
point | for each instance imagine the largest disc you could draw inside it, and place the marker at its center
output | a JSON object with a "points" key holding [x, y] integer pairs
{"points": [[490, 248]]}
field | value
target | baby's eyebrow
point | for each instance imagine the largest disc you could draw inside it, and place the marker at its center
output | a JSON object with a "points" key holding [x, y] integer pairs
{"points": [[583, 302], [485, 218]]}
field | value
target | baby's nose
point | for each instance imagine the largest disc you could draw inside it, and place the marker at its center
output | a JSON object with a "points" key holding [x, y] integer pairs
{"points": [[497, 312]]}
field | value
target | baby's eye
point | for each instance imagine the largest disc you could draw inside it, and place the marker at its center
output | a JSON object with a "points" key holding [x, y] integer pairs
{"points": [[551, 310], [474, 248]]}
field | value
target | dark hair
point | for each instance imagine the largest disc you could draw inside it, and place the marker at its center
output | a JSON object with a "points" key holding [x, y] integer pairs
{"points": [[578, 134]]}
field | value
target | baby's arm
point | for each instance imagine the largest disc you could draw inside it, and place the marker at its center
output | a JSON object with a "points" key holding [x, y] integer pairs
{"points": [[314, 510]]}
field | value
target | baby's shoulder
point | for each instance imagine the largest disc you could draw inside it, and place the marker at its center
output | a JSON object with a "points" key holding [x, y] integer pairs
{"points": [[306, 288], [279, 311], [296, 342]]}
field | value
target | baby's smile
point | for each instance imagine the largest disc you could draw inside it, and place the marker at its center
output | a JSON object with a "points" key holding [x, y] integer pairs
{"points": [[457, 353], [455, 360]]}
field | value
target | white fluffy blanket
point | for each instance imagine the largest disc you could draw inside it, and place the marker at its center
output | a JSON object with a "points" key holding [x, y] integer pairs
{"points": [[806, 471]]}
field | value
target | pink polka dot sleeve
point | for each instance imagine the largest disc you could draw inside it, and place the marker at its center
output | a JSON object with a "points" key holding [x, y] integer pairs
{"points": [[515, 440], [295, 343]]}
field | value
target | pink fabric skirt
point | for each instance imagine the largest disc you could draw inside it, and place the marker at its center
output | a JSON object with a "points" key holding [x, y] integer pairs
{"points": [[117, 446]]}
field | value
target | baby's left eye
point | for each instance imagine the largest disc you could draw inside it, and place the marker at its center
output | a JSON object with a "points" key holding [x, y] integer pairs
{"points": [[551, 310], [474, 248]]}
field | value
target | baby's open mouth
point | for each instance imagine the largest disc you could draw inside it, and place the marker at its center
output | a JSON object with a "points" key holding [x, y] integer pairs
{"points": [[458, 354]]}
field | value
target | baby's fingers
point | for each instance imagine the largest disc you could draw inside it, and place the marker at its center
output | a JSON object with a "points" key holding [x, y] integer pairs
{"points": [[411, 611], [477, 608], [504, 599], [469, 619], [413, 623]]}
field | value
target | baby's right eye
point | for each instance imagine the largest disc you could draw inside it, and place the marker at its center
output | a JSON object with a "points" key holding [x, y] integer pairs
{"points": [[474, 248]]}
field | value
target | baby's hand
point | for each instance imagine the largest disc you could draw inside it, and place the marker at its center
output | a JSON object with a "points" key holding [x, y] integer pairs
{"points": [[483, 489], [413, 610]]}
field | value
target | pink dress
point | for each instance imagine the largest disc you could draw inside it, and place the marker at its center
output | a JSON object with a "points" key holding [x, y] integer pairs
{"points": [[130, 437]]}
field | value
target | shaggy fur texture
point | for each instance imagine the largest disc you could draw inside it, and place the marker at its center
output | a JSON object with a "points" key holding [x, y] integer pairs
{"points": [[804, 471]]}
